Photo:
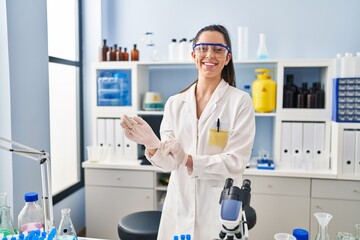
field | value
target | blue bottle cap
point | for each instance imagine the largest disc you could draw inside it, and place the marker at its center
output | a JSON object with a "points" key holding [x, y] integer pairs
{"points": [[176, 237], [300, 234], [188, 236], [31, 197], [182, 237]]}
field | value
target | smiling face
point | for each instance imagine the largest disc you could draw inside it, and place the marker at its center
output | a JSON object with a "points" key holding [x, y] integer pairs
{"points": [[210, 63]]}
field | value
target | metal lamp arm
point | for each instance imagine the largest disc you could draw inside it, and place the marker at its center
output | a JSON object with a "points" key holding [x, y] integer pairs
{"points": [[45, 167]]}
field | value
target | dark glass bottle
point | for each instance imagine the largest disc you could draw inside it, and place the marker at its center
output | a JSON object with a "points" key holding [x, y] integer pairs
{"points": [[311, 99], [320, 96], [108, 54], [135, 54], [126, 55], [120, 56], [305, 91], [300, 101], [104, 51], [113, 53], [289, 87]]}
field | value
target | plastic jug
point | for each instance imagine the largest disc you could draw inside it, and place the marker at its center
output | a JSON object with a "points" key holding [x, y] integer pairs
{"points": [[264, 91]]}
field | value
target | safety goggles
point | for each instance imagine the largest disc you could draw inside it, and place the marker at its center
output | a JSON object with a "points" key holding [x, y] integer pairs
{"points": [[219, 50]]}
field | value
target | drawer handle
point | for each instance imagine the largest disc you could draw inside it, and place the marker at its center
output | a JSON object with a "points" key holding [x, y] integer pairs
{"points": [[270, 186], [118, 178], [356, 191]]}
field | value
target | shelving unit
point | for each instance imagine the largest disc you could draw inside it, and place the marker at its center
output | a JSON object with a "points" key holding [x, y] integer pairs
{"points": [[172, 77]]}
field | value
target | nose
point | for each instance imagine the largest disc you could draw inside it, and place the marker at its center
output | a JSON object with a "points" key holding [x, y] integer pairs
{"points": [[210, 49]]}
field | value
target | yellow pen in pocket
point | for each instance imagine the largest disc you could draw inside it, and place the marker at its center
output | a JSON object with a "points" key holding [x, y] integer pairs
{"points": [[218, 138]]}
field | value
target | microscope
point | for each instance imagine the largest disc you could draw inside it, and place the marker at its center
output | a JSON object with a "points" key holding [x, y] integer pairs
{"points": [[237, 217]]}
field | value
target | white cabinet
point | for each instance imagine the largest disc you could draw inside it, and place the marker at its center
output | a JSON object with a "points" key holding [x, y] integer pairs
{"points": [[339, 198], [110, 194], [281, 204]]}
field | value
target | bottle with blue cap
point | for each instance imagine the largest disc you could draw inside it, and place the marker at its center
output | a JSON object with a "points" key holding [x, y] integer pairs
{"points": [[31, 217], [301, 234]]}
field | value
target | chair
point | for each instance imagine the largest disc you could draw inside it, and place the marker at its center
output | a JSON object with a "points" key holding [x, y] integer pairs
{"points": [[139, 226]]}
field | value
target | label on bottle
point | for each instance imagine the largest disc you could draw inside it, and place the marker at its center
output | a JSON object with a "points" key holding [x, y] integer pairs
{"points": [[28, 227]]}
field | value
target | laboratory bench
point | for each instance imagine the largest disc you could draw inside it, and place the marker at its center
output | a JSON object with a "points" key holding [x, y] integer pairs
{"points": [[283, 199]]}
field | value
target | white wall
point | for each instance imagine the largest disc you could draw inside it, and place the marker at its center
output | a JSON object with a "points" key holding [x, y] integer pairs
{"points": [[294, 29]]}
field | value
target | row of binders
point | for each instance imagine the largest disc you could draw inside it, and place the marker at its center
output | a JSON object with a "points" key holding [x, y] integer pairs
{"points": [[303, 146], [351, 152], [110, 137]]}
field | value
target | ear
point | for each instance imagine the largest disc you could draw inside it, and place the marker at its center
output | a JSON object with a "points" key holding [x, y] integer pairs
{"points": [[228, 58], [193, 56]]}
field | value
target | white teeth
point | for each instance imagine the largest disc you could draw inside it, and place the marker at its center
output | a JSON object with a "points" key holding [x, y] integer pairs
{"points": [[209, 64]]}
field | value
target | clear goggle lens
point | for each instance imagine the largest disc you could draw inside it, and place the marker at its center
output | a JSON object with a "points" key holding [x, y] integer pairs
{"points": [[218, 49]]}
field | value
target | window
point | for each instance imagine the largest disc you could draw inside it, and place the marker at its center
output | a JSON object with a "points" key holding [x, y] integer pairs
{"points": [[64, 38]]}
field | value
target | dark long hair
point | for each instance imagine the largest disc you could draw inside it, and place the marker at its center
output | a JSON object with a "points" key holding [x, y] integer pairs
{"points": [[228, 72]]}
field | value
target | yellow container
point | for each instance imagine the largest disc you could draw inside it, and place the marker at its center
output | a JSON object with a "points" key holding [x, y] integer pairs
{"points": [[264, 91]]}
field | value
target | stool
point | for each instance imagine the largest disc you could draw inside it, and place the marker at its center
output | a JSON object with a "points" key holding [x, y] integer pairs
{"points": [[139, 226]]}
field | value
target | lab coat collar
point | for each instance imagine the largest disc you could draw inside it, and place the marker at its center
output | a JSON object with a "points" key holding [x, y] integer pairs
{"points": [[189, 96]]}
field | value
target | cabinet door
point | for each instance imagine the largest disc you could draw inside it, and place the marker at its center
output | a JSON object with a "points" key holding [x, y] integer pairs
{"points": [[346, 213], [277, 213], [105, 206], [281, 204]]}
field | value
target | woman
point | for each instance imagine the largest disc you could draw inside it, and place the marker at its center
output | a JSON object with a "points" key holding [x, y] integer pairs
{"points": [[207, 134]]}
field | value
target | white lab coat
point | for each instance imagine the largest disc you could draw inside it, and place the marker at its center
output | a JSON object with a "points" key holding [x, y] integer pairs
{"points": [[192, 202]]}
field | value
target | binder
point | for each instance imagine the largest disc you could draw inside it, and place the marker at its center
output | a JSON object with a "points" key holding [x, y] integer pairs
{"points": [[286, 144], [296, 144], [110, 133], [119, 139], [357, 152], [348, 159], [319, 146], [101, 132], [308, 144]]}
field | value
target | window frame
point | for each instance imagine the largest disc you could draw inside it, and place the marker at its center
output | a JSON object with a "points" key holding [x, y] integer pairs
{"points": [[79, 64]]}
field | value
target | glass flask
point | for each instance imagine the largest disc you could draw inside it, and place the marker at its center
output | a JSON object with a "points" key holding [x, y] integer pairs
{"points": [[66, 230], [323, 220], [284, 236], [6, 226]]}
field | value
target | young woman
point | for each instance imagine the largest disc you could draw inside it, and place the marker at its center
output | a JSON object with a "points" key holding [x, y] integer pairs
{"points": [[207, 134]]}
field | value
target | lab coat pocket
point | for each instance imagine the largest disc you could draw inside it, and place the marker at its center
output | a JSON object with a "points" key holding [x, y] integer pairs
{"points": [[218, 138]]}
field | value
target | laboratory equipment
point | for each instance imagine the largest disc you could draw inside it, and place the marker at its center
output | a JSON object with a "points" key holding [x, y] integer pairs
{"points": [[264, 91], [357, 231], [44, 159], [343, 235], [300, 234], [153, 101], [262, 52], [284, 236], [66, 230], [6, 224], [243, 43], [173, 50], [237, 217], [31, 217], [103, 51], [323, 220], [134, 54]]}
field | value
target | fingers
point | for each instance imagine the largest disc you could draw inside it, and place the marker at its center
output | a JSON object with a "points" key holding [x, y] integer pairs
{"points": [[138, 120], [127, 122]]}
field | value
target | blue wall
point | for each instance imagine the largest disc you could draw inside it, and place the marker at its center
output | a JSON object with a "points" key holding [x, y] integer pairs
{"points": [[294, 29]]}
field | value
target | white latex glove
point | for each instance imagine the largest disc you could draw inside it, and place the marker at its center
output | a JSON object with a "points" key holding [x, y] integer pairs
{"points": [[138, 130], [174, 149]]}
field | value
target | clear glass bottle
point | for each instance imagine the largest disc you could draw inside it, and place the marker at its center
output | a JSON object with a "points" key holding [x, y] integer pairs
{"points": [[262, 52], [31, 217], [6, 225], [66, 230], [323, 220]]}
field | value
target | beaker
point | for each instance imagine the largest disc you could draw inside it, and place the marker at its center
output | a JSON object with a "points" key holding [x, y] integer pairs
{"points": [[66, 230], [323, 220], [357, 231], [6, 226], [284, 236]]}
